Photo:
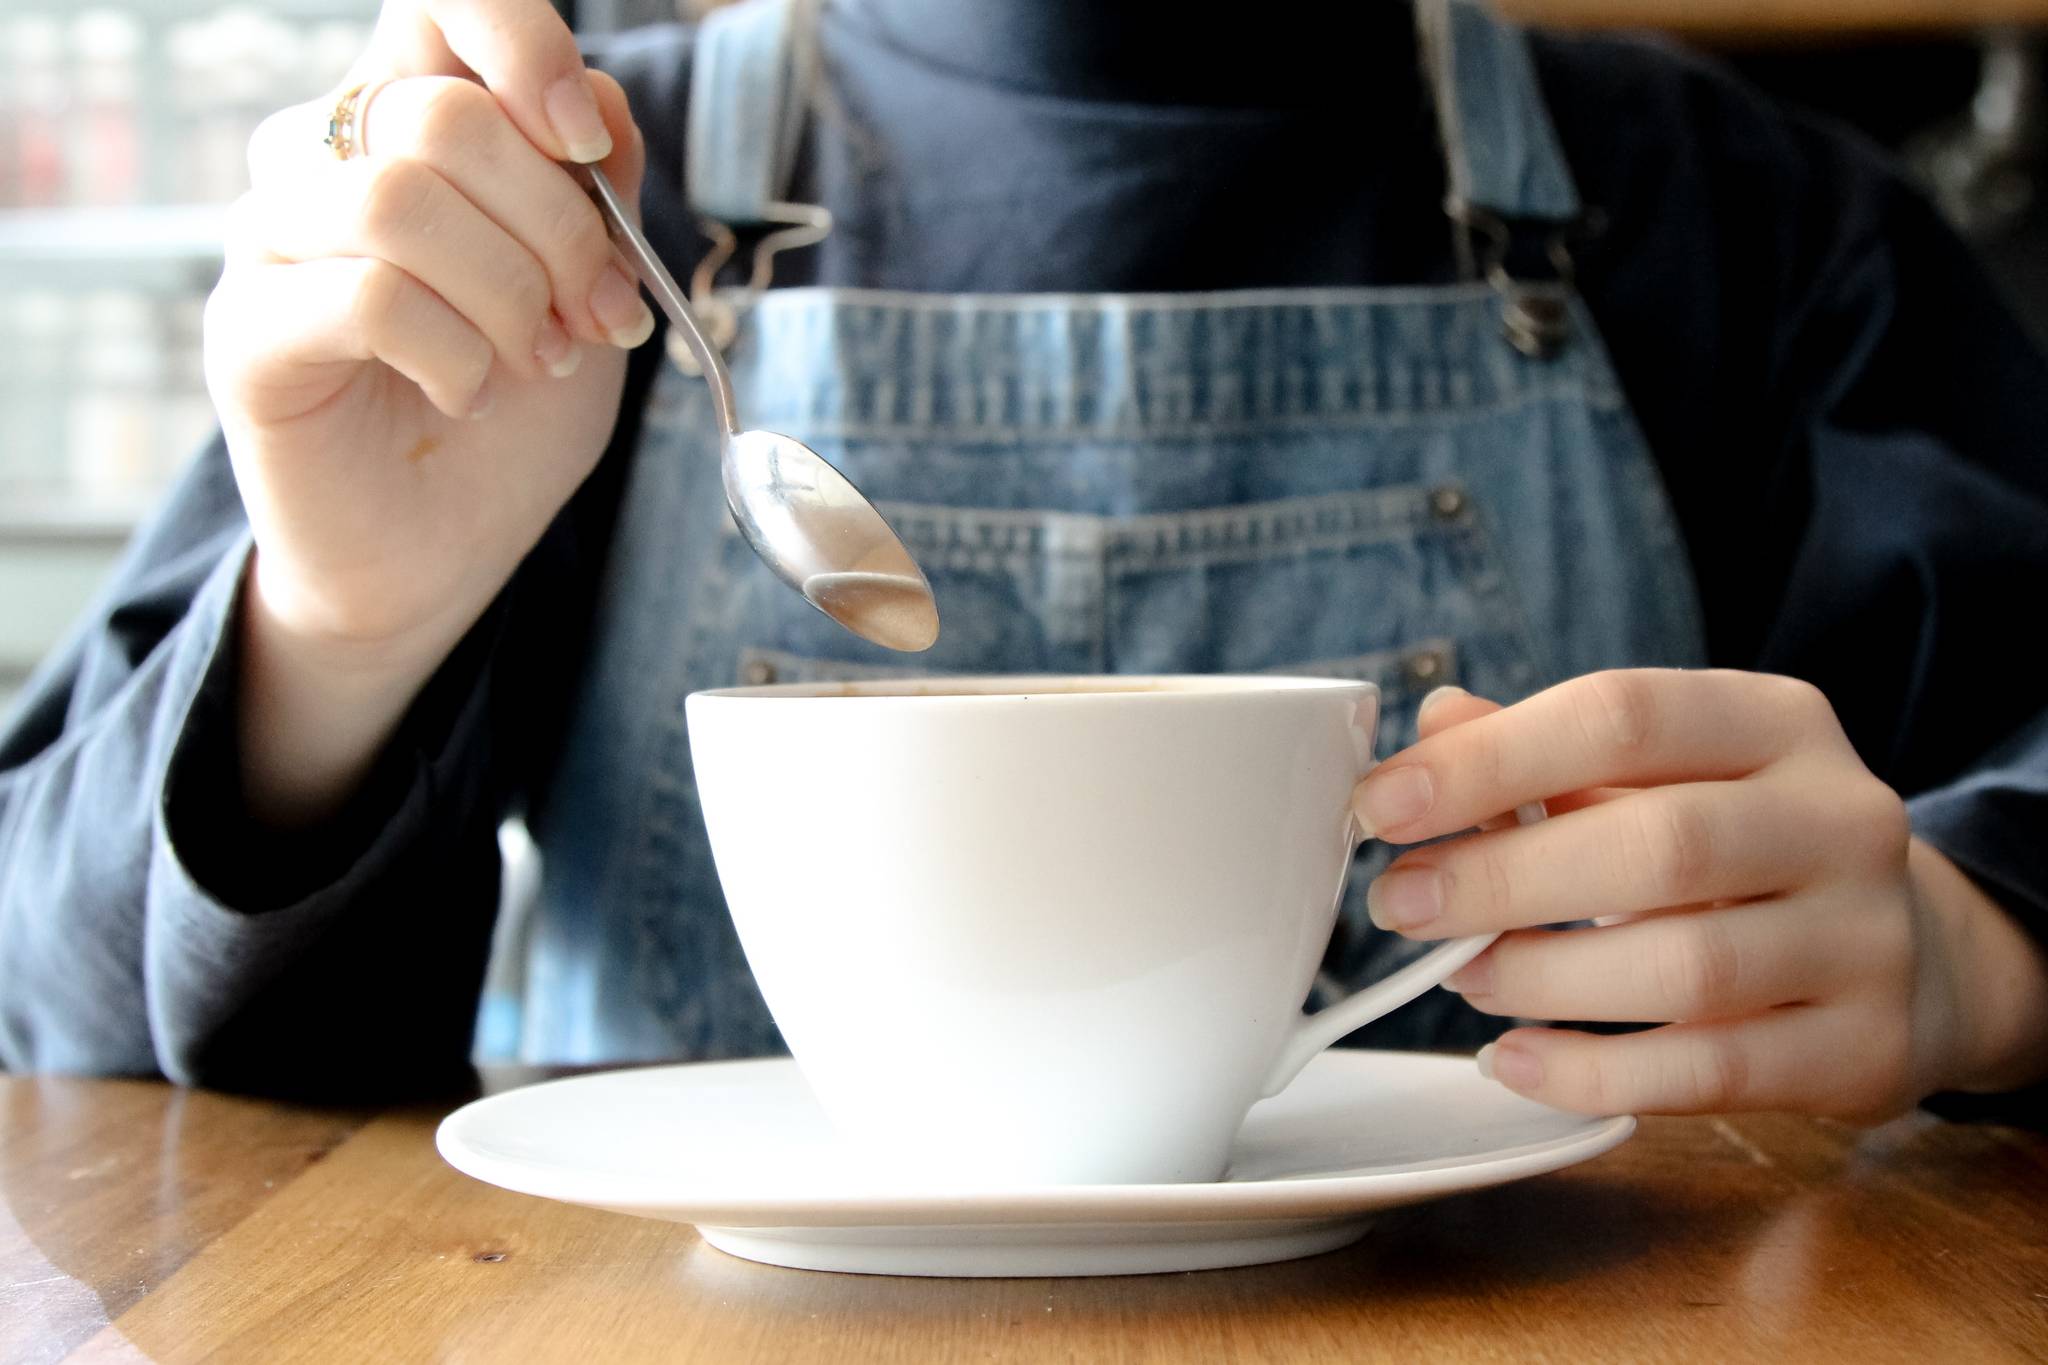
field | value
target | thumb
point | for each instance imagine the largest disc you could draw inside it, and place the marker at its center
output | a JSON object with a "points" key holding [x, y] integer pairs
{"points": [[627, 161], [1448, 707]]}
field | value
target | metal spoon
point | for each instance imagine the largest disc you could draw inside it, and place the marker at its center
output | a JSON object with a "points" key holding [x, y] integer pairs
{"points": [[803, 517]]}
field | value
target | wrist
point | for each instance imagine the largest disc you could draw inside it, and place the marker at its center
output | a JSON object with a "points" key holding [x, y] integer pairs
{"points": [[363, 646], [315, 708], [1999, 976]]}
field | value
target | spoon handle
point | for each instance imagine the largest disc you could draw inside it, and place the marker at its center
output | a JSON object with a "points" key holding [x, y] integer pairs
{"points": [[662, 285]]}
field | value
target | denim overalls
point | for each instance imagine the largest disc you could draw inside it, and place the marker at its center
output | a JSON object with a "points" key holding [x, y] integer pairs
{"points": [[1409, 485]]}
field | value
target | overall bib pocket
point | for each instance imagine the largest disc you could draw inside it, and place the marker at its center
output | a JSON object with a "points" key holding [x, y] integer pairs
{"points": [[1400, 586]]}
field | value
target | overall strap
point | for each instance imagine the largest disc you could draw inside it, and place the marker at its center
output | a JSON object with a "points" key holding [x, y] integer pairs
{"points": [[1507, 175], [1499, 144], [750, 75]]}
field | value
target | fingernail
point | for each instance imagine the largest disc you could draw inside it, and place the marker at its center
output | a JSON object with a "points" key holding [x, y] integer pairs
{"points": [[1513, 1067], [480, 402], [572, 109], [1444, 693], [556, 350], [1392, 797], [1406, 898], [1474, 978], [616, 304]]}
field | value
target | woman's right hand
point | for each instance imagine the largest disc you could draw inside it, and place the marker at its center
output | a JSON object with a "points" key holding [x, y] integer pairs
{"points": [[417, 356]]}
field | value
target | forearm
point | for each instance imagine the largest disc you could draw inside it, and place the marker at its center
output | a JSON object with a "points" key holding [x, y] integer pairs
{"points": [[2001, 980]]}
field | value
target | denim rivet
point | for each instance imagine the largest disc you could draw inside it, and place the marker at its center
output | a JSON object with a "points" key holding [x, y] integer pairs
{"points": [[1536, 322], [1426, 668], [1447, 502], [757, 673]]}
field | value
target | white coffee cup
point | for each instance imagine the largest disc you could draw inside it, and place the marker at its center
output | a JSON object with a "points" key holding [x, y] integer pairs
{"points": [[1032, 931]]}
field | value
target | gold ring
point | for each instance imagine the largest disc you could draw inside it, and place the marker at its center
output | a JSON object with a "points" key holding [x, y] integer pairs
{"points": [[345, 125]]}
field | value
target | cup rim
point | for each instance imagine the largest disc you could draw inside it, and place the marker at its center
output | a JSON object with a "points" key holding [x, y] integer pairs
{"points": [[1041, 688]]}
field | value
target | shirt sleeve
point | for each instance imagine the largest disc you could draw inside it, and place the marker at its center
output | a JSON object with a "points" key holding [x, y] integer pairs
{"points": [[149, 926]]}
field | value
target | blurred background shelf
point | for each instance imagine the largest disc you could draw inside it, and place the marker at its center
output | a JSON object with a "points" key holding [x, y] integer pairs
{"points": [[177, 11], [157, 247], [123, 125]]}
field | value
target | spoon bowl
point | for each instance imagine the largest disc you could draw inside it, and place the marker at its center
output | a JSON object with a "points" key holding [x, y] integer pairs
{"points": [[820, 536], [804, 518]]}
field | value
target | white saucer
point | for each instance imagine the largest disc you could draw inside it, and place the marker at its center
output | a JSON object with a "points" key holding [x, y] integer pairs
{"points": [[742, 1150]]}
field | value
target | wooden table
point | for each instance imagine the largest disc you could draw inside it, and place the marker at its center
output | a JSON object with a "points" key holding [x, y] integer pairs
{"points": [[141, 1222]]}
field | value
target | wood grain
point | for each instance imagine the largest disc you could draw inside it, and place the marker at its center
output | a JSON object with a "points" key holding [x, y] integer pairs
{"points": [[1752, 1239], [108, 1187], [1708, 18]]}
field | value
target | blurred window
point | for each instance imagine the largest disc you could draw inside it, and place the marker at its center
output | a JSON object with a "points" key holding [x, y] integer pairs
{"points": [[123, 125]]}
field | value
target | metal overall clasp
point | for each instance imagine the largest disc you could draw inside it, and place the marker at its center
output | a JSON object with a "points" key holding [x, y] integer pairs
{"points": [[1536, 314], [719, 312]]}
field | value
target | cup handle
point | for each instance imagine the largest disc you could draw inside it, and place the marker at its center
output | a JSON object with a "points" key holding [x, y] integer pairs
{"points": [[1317, 1031]]}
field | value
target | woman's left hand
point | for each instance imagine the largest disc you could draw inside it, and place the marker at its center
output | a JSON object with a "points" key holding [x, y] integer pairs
{"points": [[1756, 889]]}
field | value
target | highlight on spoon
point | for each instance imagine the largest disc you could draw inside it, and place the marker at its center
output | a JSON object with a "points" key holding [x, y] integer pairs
{"points": [[892, 609]]}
